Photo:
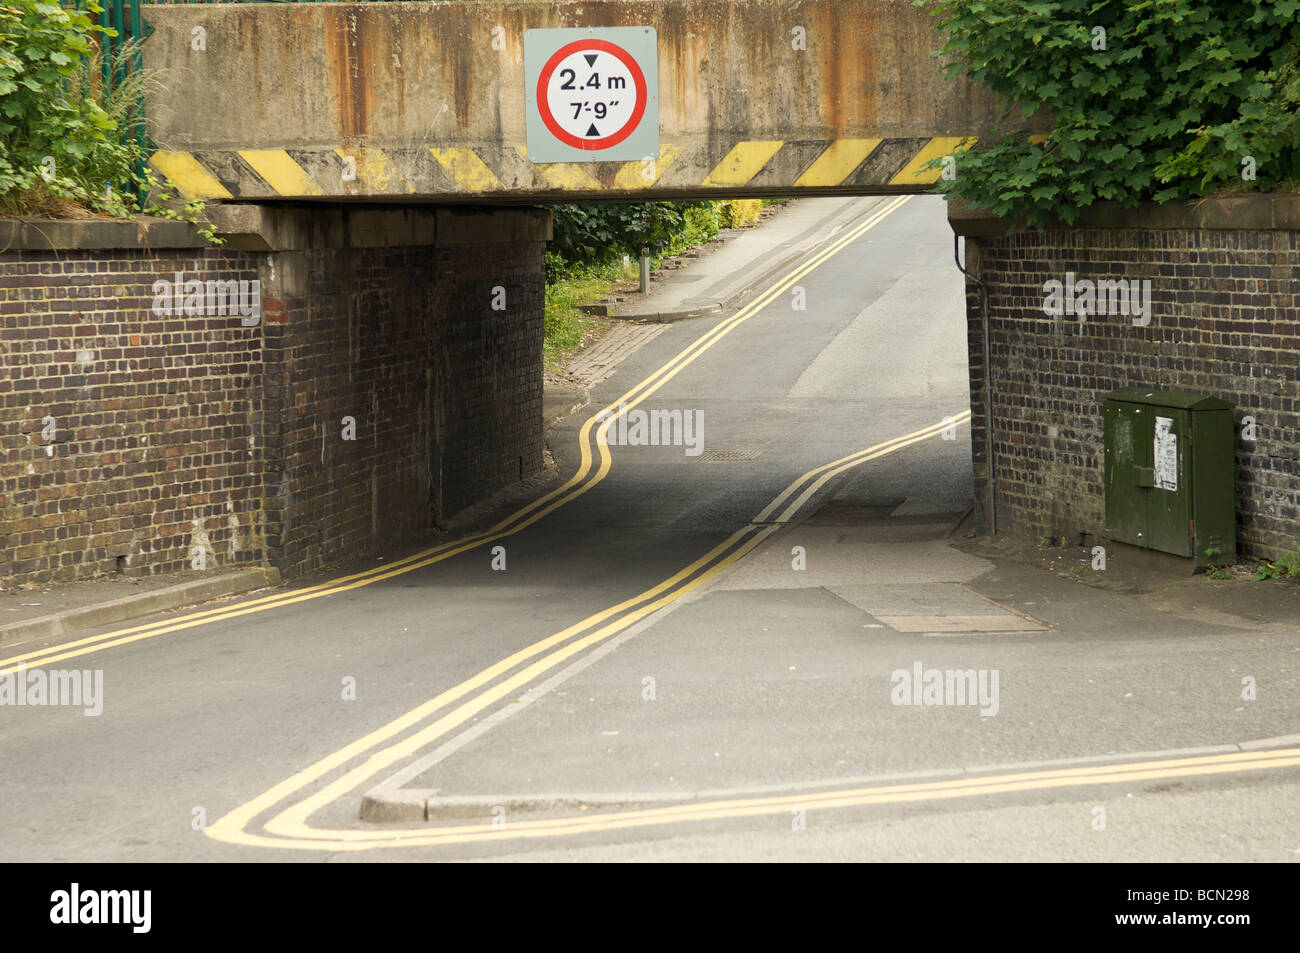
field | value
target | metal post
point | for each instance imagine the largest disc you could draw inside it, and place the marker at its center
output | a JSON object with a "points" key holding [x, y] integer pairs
{"points": [[645, 271]]}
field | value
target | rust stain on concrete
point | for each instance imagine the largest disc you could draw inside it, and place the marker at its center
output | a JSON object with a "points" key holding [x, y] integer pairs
{"points": [[398, 25], [248, 36], [346, 62]]}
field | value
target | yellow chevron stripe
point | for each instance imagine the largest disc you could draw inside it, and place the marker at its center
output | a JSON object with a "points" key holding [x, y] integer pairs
{"points": [[916, 174], [838, 162], [469, 171], [375, 169], [570, 176], [632, 174], [743, 162], [280, 172], [188, 175]]}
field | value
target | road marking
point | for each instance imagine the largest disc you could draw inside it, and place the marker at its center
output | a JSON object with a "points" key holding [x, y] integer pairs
{"points": [[292, 822], [514, 523], [813, 800], [835, 467]]}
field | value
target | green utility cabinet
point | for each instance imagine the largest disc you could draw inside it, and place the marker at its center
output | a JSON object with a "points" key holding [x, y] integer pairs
{"points": [[1169, 473]]}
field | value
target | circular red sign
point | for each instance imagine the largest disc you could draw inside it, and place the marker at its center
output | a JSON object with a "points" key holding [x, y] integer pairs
{"points": [[544, 106]]}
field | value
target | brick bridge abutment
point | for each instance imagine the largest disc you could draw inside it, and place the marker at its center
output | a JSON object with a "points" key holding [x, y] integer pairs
{"points": [[393, 377]]}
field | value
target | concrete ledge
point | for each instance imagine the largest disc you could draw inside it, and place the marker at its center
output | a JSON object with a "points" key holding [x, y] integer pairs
{"points": [[1270, 211], [249, 227], [93, 234], [486, 226], [972, 221], [72, 621]]}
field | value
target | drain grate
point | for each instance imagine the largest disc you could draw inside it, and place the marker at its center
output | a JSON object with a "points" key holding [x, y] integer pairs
{"points": [[728, 456]]}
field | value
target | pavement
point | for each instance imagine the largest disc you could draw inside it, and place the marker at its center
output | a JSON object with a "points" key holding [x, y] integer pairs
{"points": [[717, 276], [51, 611]]}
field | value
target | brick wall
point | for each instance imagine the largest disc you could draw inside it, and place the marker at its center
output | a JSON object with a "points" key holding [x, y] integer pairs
{"points": [[445, 393], [1225, 321], [154, 418], [489, 420], [172, 431]]}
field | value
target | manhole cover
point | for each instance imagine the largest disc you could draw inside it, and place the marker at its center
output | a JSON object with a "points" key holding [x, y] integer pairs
{"points": [[727, 456]]}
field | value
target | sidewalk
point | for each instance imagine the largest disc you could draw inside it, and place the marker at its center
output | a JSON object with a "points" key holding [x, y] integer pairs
{"points": [[737, 264], [705, 281], [55, 610]]}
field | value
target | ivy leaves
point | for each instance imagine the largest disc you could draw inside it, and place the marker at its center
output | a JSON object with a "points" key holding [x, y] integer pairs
{"points": [[1153, 100]]}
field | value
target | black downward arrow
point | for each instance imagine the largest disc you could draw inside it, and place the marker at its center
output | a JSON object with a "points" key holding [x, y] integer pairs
{"points": [[590, 58], [592, 131]]}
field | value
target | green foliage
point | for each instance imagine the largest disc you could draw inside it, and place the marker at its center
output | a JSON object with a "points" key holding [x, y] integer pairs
{"points": [[1181, 93], [66, 137], [55, 135], [1285, 566], [700, 224], [738, 213], [163, 203], [564, 323], [595, 234]]}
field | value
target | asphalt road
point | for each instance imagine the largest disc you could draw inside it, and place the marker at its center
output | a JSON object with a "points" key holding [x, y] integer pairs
{"points": [[682, 655]]}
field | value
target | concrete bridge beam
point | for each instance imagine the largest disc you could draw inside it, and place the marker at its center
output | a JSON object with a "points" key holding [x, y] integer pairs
{"points": [[426, 101]]}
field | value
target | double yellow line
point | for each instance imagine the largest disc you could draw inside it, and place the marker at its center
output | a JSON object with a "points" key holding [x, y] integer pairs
{"points": [[582, 480], [1019, 782], [289, 828]]}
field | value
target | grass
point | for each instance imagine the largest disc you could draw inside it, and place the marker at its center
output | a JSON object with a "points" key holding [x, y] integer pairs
{"points": [[1285, 566], [567, 328]]}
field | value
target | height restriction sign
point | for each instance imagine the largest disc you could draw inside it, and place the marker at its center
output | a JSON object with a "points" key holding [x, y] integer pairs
{"points": [[592, 94]]}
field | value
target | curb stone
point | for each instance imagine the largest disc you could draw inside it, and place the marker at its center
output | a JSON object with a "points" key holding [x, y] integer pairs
{"points": [[72, 621]]}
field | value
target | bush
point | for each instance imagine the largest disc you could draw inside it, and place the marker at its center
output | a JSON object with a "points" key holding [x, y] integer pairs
{"points": [[56, 138], [1169, 104], [597, 234], [739, 212], [68, 140]]}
